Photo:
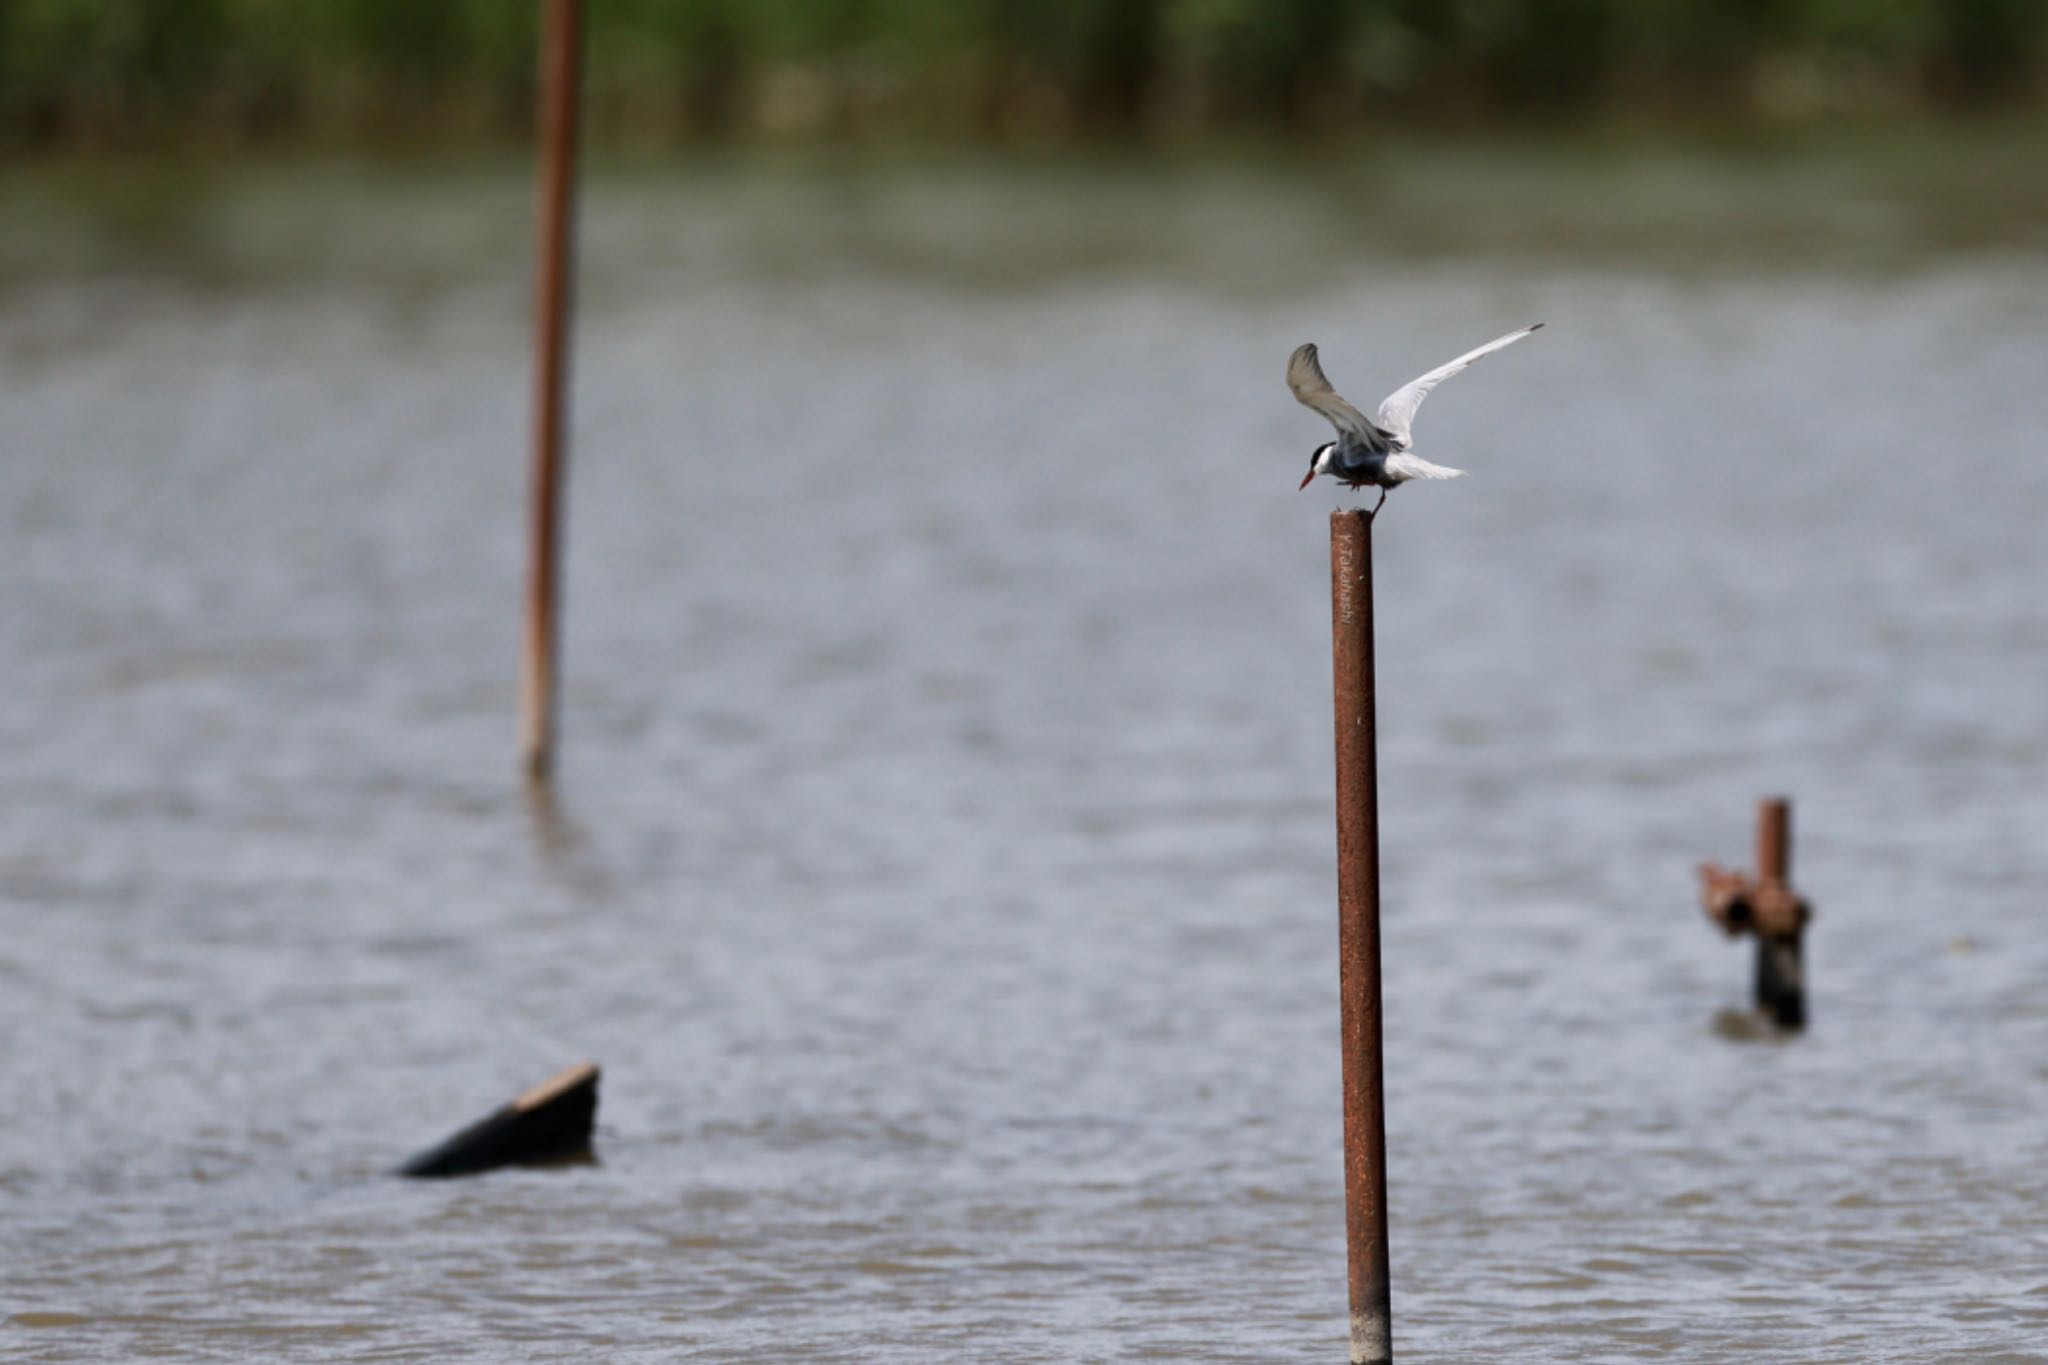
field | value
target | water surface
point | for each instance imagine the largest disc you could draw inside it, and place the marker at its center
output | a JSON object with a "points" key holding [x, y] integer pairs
{"points": [[940, 864]]}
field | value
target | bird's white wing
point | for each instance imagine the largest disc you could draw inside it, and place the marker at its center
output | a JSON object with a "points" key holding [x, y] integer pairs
{"points": [[1312, 390], [1397, 414]]}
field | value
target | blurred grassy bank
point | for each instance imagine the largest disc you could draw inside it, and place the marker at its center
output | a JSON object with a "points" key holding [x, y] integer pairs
{"points": [[1876, 202], [95, 73]]}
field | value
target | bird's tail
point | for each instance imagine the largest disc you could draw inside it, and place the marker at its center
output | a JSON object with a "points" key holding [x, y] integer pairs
{"points": [[1405, 466]]}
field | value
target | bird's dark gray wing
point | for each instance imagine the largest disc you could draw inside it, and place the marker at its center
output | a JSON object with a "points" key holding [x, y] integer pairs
{"points": [[1312, 390]]}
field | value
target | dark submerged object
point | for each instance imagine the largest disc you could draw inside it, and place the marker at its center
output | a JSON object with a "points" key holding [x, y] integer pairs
{"points": [[546, 1125], [1766, 907]]}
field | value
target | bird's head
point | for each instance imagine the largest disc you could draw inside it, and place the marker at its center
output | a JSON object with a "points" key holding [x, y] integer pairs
{"points": [[1318, 461]]}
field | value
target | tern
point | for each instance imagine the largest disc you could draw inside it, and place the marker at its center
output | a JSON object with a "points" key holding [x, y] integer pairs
{"points": [[1375, 451]]}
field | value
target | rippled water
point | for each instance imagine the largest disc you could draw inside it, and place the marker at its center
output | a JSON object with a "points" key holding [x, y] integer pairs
{"points": [[941, 862]]}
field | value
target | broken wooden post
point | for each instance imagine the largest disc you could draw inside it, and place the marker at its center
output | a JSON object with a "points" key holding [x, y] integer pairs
{"points": [[1765, 905], [546, 1125]]}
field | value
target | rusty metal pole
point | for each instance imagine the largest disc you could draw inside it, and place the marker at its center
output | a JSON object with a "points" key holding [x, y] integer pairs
{"points": [[1774, 840], [1358, 938], [1780, 988], [561, 65]]}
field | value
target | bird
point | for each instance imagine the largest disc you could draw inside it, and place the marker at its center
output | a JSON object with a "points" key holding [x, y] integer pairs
{"points": [[1375, 451]]}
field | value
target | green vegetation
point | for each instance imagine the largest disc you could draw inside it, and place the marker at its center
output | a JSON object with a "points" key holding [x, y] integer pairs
{"points": [[109, 72]]}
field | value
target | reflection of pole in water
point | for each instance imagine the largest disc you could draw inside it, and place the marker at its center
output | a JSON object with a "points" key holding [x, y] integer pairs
{"points": [[564, 846], [561, 68], [1358, 937]]}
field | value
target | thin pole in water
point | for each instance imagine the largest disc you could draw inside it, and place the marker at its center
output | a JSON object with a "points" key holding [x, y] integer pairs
{"points": [[1358, 938], [1774, 840], [1781, 919], [561, 63]]}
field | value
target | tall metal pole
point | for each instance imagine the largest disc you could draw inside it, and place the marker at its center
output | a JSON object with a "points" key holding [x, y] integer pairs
{"points": [[561, 67], [1358, 938]]}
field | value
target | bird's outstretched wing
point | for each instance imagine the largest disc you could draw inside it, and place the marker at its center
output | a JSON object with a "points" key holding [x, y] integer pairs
{"points": [[1312, 390], [1397, 414]]}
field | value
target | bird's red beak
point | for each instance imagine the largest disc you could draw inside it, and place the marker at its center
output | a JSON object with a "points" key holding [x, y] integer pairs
{"points": [[1307, 479]]}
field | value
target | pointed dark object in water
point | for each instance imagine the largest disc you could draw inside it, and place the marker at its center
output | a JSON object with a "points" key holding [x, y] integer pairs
{"points": [[549, 1123]]}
